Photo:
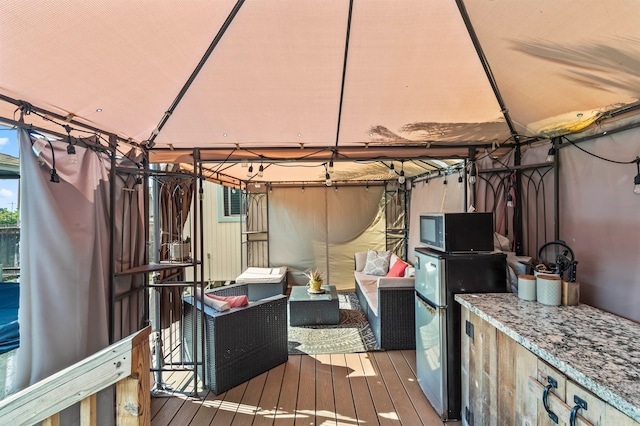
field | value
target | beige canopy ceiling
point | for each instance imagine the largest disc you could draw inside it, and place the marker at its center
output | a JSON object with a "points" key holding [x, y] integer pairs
{"points": [[260, 80]]}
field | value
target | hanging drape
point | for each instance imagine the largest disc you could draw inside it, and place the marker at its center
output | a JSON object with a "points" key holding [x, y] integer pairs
{"points": [[64, 253], [321, 228]]}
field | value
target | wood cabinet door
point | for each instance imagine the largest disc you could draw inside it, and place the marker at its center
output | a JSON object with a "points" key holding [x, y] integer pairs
{"points": [[516, 404], [479, 371], [594, 413], [612, 416]]}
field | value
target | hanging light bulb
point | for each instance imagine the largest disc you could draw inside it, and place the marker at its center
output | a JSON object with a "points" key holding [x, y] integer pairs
{"points": [[636, 180], [327, 177], [261, 171], [460, 180], [330, 169], [366, 186], [392, 171], [551, 155], [445, 179], [473, 173], [250, 170], [401, 178], [509, 201], [71, 152]]}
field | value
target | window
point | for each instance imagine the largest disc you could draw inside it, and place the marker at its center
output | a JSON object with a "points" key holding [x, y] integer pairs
{"points": [[232, 204]]}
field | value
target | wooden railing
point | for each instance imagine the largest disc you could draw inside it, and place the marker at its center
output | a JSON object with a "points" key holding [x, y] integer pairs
{"points": [[125, 364]]}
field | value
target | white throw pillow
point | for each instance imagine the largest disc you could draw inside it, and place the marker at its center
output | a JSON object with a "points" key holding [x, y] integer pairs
{"points": [[377, 263]]}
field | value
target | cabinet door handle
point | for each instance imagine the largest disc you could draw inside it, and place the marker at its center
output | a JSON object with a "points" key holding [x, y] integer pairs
{"points": [[545, 398], [580, 403]]}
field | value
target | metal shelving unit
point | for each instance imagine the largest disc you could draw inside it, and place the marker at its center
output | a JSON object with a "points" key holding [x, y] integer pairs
{"points": [[152, 275]]}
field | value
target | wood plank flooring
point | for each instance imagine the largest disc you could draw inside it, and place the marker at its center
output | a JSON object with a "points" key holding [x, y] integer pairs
{"points": [[374, 388]]}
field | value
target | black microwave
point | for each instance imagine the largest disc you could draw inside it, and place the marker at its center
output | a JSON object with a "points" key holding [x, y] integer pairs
{"points": [[457, 232]]}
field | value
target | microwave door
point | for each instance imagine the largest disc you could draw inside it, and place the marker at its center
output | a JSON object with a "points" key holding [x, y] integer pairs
{"points": [[431, 350]]}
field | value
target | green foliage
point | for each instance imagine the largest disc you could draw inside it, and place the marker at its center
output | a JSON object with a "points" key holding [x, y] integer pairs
{"points": [[9, 218]]}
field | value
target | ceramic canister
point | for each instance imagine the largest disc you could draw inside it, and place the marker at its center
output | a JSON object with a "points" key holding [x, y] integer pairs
{"points": [[549, 290], [527, 287]]}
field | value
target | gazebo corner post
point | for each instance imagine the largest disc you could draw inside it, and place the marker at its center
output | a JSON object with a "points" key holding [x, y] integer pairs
{"points": [[198, 275], [470, 192], [112, 236], [556, 187], [518, 210]]}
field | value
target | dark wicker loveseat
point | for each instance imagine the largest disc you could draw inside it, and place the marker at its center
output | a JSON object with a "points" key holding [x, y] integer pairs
{"points": [[240, 343], [389, 304]]}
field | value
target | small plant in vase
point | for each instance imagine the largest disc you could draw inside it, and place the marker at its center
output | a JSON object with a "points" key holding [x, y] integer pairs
{"points": [[315, 281], [180, 250]]}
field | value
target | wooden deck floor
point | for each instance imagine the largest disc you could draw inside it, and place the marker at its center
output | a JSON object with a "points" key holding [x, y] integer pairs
{"points": [[375, 388]]}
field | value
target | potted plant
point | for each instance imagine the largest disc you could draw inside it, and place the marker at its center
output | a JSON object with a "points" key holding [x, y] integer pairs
{"points": [[315, 281], [180, 250]]}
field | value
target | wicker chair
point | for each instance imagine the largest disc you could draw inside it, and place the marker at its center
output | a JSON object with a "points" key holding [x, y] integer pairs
{"points": [[240, 343]]}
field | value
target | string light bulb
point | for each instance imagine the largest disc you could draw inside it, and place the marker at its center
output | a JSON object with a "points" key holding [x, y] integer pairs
{"points": [[392, 171], [261, 171], [327, 178], [330, 169], [551, 155], [250, 170], [509, 200], [460, 180], [473, 174], [71, 152], [401, 178], [445, 179]]}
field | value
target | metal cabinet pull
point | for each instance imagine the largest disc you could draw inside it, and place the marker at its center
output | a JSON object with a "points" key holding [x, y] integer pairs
{"points": [[545, 398], [580, 403]]}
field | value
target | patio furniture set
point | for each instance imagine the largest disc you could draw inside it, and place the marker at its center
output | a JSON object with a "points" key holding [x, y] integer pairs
{"points": [[243, 342]]}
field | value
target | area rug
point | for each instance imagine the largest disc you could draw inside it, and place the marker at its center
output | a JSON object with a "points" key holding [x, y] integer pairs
{"points": [[352, 335]]}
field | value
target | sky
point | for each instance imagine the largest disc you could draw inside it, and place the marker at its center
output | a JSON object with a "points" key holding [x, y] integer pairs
{"points": [[9, 187]]}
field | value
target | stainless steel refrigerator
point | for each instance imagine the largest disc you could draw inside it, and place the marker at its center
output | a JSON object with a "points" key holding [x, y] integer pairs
{"points": [[439, 276]]}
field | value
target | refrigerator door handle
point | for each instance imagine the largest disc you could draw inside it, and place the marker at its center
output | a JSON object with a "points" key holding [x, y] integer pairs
{"points": [[432, 308]]}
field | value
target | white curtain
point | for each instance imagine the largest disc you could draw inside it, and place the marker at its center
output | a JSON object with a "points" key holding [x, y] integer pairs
{"points": [[64, 251], [322, 228]]}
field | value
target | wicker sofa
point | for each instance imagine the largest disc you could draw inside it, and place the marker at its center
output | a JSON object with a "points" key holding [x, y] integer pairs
{"points": [[240, 343], [389, 304]]}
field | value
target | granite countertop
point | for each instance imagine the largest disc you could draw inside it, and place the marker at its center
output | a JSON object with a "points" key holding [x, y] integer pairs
{"points": [[598, 350]]}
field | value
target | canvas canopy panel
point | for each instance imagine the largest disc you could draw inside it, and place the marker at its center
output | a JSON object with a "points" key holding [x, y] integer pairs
{"points": [[253, 75], [560, 65]]}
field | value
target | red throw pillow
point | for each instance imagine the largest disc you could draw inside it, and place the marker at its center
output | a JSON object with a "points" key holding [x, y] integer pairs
{"points": [[233, 301], [397, 270]]}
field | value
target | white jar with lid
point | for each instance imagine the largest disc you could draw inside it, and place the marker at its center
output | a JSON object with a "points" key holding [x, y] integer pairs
{"points": [[549, 290]]}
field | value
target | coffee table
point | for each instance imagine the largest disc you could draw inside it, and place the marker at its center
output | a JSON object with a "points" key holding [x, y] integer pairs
{"points": [[313, 309]]}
